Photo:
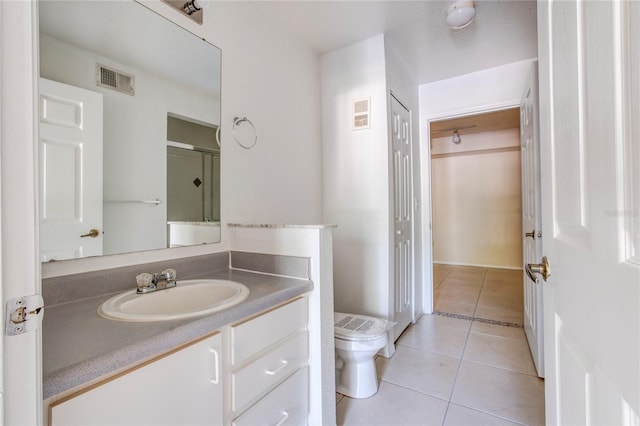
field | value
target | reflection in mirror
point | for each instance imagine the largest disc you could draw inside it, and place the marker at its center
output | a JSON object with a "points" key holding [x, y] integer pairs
{"points": [[122, 90]]}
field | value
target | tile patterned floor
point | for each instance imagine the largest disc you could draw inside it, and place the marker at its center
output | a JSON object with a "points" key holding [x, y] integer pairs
{"points": [[469, 364]]}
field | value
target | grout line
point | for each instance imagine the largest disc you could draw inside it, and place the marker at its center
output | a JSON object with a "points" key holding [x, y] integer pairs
{"points": [[464, 347], [484, 278], [409, 389], [535, 375], [487, 413], [443, 279]]}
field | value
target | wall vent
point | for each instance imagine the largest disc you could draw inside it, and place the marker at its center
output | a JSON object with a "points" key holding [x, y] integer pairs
{"points": [[362, 114], [114, 79]]}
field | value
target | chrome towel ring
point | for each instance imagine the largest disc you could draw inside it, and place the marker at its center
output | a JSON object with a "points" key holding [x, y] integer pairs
{"points": [[236, 122]]}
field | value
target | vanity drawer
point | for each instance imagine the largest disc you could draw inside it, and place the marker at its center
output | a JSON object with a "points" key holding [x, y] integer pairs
{"points": [[288, 404], [250, 337], [257, 377]]}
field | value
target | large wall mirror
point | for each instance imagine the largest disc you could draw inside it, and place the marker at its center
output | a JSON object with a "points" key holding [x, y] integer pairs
{"points": [[129, 108]]}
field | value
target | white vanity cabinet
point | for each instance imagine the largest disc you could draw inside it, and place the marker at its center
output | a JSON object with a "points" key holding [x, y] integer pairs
{"points": [[269, 378], [182, 388], [249, 373]]}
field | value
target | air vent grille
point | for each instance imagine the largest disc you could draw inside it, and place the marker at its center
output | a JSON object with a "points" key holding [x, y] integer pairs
{"points": [[114, 79], [361, 114]]}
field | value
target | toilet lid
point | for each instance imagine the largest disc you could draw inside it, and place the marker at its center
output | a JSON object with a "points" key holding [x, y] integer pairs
{"points": [[358, 327]]}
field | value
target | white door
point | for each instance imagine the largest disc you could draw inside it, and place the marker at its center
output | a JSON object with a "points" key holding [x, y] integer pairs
{"points": [[20, 362], [531, 217], [70, 171], [590, 164], [402, 218]]}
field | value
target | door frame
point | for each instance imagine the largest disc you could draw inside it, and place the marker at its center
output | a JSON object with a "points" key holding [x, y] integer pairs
{"points": [[425, 166]]}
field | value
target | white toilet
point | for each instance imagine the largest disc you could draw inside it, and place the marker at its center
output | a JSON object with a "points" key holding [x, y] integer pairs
{"points": [[357, 339]]}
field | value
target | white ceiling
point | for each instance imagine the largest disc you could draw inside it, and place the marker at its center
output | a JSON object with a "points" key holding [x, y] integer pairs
{"points": [[503, 31]]}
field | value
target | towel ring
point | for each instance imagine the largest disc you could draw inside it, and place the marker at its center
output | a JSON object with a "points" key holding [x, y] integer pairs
{"points": [[237, 121]]}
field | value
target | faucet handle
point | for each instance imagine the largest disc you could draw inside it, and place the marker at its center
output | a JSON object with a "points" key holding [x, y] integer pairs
{"points": [[144, 280], [169, 274]]}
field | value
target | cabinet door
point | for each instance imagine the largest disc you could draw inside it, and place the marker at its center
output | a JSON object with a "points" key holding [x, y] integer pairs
{"points": [[183, 388]]}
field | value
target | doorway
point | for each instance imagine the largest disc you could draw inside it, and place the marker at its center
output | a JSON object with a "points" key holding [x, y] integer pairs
{"points": [[477, 216]]}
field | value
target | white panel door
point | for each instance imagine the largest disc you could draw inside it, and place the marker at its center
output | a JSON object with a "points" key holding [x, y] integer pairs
{"points": [[590, 164], [402, 218], [531, 218], [21, 358], [70, 171]]}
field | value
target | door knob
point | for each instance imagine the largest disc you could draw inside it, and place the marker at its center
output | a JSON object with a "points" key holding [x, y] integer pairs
{"points": [[531, 234], [92, 233], [538, 268]]}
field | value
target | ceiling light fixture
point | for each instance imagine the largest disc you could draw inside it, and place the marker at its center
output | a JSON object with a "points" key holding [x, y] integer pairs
{"points": [[460, 13], [456, 137]]}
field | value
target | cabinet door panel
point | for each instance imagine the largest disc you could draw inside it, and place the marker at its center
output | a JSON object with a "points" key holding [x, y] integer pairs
{"points": [[183, 388], [252, 336], [260, 375], [288, 404]]}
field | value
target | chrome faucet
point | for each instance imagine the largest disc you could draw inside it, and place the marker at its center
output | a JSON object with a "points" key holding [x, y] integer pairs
{"points": [[148, 283]]}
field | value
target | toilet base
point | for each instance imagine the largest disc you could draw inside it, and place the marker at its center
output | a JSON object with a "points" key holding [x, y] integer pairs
{"points": [[357, 379]]}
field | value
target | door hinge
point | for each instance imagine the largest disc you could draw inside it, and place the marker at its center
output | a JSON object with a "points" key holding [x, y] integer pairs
{"points": [[23, 314]]}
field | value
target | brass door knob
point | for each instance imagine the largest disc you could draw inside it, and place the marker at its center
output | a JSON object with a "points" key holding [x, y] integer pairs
{"points": [[538, 268], [93, 233]]}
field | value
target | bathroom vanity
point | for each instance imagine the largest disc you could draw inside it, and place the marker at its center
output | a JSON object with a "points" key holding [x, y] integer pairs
{"points": [[227, 377], [246, 364], [269, 357]]}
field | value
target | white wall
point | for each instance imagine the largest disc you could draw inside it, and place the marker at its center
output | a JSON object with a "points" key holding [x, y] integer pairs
{"points": [[274, 81], [356, 181], [355, 177], [486, 90], [134, 144], [476, 196], [490, 89]]}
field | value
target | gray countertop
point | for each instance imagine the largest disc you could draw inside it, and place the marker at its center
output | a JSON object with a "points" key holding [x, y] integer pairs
{"points": [[80, 346]]}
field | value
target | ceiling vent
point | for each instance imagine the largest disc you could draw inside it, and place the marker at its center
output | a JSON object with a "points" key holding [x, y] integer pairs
{"points": [[114, 79]]}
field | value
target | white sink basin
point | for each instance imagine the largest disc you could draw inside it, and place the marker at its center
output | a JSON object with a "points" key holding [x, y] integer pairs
{"points": [[189, 298]]}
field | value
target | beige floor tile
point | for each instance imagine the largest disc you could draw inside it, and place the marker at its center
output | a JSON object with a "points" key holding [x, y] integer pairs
{"points": [[507, 394], [494, 274], [392, 405], [499, 287], [453, 307], [442, 321], [506, 300], [462, 283], [458, 415], [442, 340], [500, 314], [440, 272], [502, 352], [470, 273], [497, 330], [459, 294], [425, 372]]}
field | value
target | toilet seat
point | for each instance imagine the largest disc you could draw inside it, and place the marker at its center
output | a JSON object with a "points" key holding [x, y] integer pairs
{"points": [[358, 328]]}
